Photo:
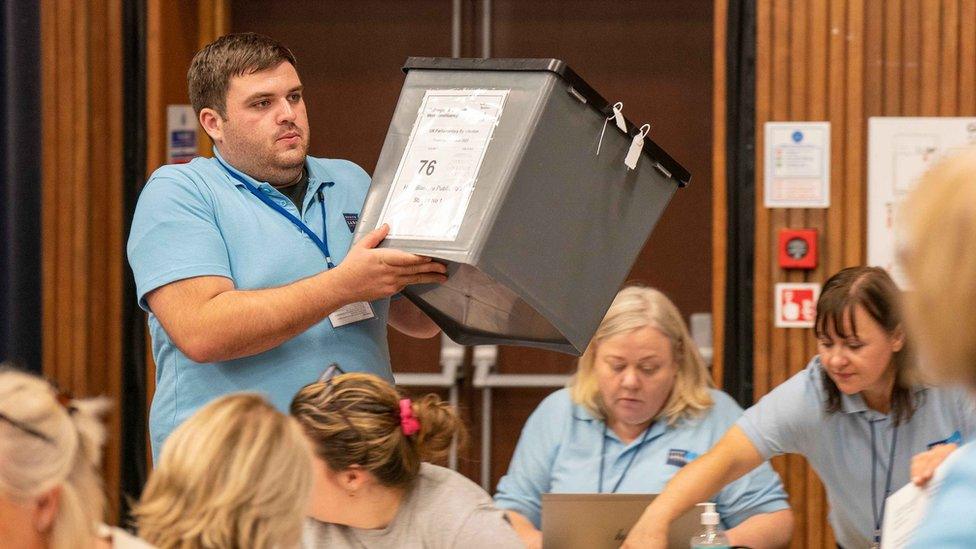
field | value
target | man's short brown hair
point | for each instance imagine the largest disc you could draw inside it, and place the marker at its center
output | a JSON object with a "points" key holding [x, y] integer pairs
{"points": [[226, 57]]}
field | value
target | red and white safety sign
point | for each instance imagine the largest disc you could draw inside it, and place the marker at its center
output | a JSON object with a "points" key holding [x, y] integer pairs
{"points": [[796, 304]]}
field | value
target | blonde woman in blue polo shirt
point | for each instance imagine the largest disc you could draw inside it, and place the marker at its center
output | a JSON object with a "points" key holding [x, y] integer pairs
{"points": [[640, 408], [855, 413]]}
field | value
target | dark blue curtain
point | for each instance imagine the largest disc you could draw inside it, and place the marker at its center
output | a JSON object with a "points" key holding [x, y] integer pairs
{"points": [[133, 399], [20, 213], [20, 184], [740, 171]]}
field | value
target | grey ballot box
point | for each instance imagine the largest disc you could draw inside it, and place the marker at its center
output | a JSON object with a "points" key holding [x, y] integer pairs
{"points": [[537, 230]]}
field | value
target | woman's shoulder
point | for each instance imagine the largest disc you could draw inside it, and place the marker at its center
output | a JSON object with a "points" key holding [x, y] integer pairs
{"points": [[953, 396], [723, 403], [802, 388], [963, 467], [558, 405], [448, 492], [801, 397]]}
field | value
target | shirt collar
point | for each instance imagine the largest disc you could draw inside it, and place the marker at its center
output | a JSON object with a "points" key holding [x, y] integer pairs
{"points": [[316, 178], [658, 427], [854, 404]]}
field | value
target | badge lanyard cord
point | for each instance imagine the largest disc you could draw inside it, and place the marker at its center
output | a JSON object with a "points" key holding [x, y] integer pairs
{"points": [[321, 243], [603, 453], [879, 515]]}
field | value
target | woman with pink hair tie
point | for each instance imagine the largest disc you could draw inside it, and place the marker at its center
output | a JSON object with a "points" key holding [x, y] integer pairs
{"points": [[373, 486]]}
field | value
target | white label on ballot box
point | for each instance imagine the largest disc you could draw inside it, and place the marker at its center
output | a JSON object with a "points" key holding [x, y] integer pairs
{"points": [[439, 168], [354, 312]]}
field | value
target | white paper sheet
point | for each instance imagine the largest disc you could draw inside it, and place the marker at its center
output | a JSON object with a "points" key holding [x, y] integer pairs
{"points": [[905, 508], [439, 168], [797, 170]]}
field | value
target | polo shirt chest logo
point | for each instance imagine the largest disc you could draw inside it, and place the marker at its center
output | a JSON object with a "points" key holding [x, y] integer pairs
{"points": [[954, 438], [352, 220], [680, 458]]}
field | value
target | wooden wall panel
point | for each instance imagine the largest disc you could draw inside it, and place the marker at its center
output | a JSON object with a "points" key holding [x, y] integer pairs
{"points": [[842, 61], [81, 103], [720, 215]]}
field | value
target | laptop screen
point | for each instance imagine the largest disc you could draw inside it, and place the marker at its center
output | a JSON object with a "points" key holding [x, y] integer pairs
{"points": [[598, 521]]}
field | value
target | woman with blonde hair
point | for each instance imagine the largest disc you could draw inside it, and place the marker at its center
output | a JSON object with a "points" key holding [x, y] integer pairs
{"points": [[640, 407], [373, 485], [236, 474], [940, 261], [50, 449]]}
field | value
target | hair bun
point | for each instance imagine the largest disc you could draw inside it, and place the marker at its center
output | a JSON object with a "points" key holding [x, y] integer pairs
{"points": [[439, 424]]}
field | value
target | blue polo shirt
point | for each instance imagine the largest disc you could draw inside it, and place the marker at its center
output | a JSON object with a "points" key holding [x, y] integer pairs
{"points": [[948, 523], [194, 220], [559, 452], [792, 419]]}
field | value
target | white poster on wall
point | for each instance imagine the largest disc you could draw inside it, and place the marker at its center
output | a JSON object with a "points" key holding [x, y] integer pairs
{"points": [[181, 134], [797, 165], [439, 168], [900, 150]]}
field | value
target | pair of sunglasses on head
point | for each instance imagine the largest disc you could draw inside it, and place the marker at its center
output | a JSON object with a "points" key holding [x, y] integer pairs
{"points": [[63, 399]]}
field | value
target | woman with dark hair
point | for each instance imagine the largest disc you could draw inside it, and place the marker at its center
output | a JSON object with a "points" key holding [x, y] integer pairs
{"points": [[855, 413]]}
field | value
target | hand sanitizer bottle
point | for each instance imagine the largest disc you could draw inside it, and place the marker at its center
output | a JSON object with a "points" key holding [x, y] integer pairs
{"points": [[711, 535]]}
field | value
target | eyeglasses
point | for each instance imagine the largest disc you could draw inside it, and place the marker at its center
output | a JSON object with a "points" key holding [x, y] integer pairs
{"points": [[26, 428], [63, 398], [327, 377], [330, 372]]}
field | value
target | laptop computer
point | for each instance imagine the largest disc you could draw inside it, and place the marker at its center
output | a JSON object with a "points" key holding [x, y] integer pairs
{"points": [[602, 521]]}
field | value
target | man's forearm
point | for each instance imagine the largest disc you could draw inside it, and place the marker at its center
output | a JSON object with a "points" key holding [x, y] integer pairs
{"points": [[240, 323], [210, 320]]}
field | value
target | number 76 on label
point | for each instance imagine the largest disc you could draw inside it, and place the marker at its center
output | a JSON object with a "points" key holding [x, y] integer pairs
{"points": [[427, 167]]}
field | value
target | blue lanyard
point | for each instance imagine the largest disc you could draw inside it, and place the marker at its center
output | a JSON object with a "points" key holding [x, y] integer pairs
{"points": [[322, 243], [879, 515], [603, 453]]}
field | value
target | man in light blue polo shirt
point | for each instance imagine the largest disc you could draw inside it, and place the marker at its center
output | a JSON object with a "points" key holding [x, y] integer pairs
{"points": [[245, 261]]}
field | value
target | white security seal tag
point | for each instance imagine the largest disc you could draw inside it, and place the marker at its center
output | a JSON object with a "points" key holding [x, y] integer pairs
{"points": [[618, 118], [636, 146]]}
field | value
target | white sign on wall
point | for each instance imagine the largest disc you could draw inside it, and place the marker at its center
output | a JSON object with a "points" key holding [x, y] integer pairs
{"points": [[900, 150], [797, 164], [795, 304], [181, 134]]}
